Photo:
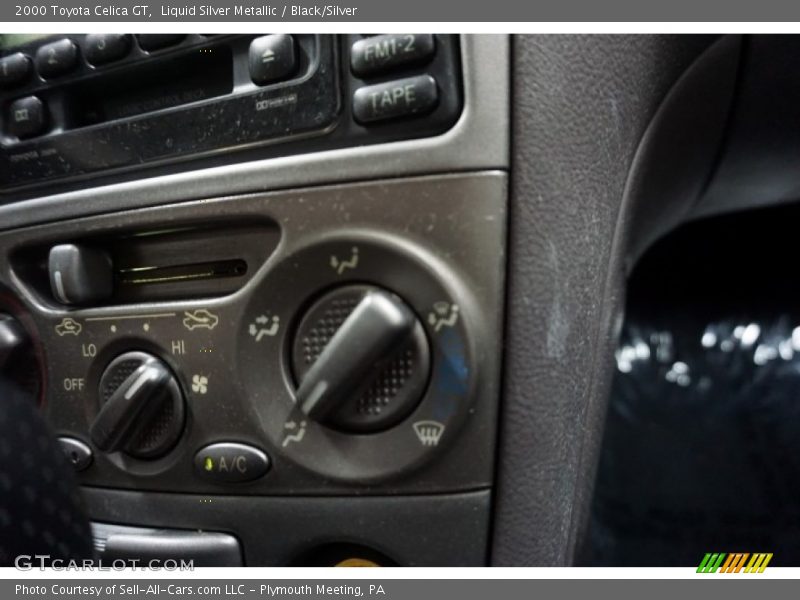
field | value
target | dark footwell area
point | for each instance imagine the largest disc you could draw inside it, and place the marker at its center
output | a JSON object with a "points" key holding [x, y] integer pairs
{"points": [[701, 451]]}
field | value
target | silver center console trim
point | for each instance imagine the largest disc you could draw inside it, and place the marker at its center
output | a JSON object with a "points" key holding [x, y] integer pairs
{"points": [[479, 140]]}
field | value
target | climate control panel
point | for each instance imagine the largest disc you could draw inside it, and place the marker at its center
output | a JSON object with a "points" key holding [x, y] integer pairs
{"points": [[324, 341]]}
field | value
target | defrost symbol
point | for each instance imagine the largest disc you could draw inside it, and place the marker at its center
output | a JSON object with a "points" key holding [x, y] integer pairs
{"points": [[428, 432]]}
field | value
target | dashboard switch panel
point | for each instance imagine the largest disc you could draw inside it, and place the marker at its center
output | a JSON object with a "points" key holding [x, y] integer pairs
{"points": [[103, 105], [359, 355]]}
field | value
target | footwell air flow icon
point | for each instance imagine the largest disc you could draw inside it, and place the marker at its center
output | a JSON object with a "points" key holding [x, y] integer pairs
{"points": [[736, 562]]}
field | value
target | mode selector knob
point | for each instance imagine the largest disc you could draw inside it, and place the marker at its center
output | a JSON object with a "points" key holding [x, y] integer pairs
{"points": [[142, 410], [361, 359]]}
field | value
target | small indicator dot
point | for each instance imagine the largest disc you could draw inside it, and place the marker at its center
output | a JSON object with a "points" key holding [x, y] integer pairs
{"points": [[208, 465], [146, 326], [113, 328]]}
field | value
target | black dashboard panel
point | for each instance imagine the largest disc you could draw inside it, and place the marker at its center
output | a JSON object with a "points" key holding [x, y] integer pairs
{"points": [[213, 96], [176, 285], [185, 280], [178, 306], [177, 312], [228, 351]]}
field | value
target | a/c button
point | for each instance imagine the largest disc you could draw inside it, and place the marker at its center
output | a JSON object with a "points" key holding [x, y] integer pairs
{"points": [[229, 462]]}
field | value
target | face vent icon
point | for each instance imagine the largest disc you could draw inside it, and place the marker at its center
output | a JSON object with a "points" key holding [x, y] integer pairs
{"points": [[429, 432]]}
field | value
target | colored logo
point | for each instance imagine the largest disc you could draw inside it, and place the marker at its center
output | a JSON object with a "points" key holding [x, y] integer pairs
{"points": [[736, 562]]}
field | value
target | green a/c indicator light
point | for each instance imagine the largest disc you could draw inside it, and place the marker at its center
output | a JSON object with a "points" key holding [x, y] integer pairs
{"points": [[208, 464]]}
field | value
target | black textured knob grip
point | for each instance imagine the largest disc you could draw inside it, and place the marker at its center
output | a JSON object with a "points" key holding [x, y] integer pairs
{"points": [[361, 358], [143, 408]]}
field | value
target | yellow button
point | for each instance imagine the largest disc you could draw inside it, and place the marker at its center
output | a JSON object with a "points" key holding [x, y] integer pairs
{"points": [[356, 562]]}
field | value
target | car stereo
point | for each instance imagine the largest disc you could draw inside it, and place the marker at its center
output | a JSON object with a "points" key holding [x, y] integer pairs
{"points": [[78, 105]]}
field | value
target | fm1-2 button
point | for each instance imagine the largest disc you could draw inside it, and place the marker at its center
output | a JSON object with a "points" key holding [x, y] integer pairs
{"points": [[381, 53], [395, 99], [26, 117], [229, 462]]}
